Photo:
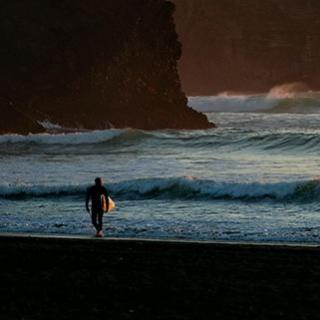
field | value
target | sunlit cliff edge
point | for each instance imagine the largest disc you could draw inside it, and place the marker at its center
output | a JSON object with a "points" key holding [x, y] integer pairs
{"points": [[247, 45], [91, 65]]}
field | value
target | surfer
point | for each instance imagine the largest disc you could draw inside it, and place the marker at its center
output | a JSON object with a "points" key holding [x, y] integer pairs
{"points": [[96, 193]]}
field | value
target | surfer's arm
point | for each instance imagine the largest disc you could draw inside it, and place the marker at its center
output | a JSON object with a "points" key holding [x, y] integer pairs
{"points": [[105, 192]]}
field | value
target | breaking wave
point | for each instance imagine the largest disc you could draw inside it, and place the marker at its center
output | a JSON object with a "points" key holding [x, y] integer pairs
{"points": [[74, 138], [90, 142], [101, 142], [184, 188], [231, 103], [286, 98], [288, 90]]}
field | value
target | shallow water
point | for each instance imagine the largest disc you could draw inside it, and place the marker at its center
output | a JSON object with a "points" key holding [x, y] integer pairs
{"points": [[252, 179]]}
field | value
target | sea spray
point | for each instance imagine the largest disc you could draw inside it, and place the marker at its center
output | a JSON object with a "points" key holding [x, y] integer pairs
{"points": [[286, 98]]}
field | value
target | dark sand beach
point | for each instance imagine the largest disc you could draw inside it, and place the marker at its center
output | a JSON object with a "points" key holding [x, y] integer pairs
{"points": [[86, 278]]}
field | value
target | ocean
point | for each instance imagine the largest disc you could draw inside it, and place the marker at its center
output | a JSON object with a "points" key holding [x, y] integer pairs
{"points": [[254, 178]]}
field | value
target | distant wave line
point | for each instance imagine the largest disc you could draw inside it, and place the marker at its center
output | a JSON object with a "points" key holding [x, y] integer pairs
{"points": [[233, 140], [286, 98]]}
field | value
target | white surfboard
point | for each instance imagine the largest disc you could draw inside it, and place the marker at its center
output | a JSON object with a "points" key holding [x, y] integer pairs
{"points": [[112, 205]]}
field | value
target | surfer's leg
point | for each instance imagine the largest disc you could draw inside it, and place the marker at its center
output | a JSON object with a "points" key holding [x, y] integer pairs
{"points": [[94, 220], [100, 221]]}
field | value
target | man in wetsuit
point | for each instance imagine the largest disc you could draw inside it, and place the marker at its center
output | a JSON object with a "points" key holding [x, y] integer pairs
{"points": [[94, 194]]}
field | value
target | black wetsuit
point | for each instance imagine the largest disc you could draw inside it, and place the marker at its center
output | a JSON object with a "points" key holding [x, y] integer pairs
{"points": [[94, 193]]}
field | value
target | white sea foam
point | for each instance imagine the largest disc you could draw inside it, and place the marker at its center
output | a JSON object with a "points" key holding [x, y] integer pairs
{"points": [[46, 124], [39, 190], [176, 188], [286, 98], [189, 187], [289, 90], [227, 103], [74, 138]]}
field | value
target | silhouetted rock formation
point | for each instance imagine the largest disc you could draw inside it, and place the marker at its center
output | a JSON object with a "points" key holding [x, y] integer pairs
{"points": [[248, 45], [91, 64]]}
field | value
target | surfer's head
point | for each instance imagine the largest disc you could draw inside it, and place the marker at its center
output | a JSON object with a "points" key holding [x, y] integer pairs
{"points": [[98, 181]]}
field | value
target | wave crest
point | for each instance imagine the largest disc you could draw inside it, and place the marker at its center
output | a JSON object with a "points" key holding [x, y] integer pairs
{"points": [[293, 97], [288, 90], [184, 188], [74, 138]]}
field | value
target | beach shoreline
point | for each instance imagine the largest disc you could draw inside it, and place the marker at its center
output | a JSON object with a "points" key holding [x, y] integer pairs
{"points": [[49, 277], [219, 243]]}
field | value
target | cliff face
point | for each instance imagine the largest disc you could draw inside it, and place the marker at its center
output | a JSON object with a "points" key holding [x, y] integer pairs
{"points": [[91, 64], [248, 45]]}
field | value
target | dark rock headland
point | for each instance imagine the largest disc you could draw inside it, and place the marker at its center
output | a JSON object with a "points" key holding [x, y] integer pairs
{"points": [[91, 65]]}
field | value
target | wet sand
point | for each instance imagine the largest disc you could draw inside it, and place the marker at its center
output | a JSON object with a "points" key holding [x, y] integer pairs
{"points": [[86, 278]]}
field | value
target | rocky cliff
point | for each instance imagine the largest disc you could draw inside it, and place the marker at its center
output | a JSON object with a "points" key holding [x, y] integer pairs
{"points": [[248, 45], [91, 64]]}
